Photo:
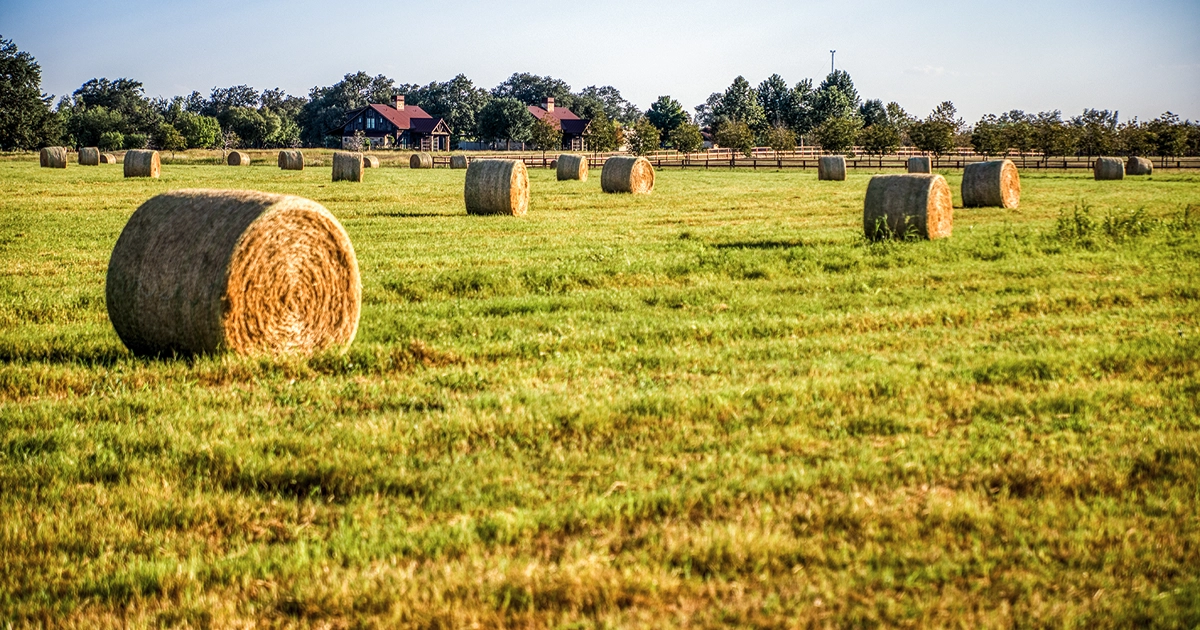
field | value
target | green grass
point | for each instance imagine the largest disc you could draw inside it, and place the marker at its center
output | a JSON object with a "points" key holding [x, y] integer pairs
{"points": [[716, 405]]}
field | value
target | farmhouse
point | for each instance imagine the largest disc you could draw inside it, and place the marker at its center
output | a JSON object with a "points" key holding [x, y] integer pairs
{"points": [[406, 127], [572, 126]]}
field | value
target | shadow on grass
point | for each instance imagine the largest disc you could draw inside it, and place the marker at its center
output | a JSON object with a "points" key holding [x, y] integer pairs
{"points": [[759, 245], [415, 215]]}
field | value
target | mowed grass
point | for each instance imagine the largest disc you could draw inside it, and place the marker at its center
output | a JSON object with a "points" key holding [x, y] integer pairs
{"points": [[715, 405]]}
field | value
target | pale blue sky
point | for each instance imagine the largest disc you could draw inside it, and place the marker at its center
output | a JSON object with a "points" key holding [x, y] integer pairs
{"points": [[1138, 57]]}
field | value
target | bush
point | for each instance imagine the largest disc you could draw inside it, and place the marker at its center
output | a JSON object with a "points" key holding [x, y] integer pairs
{"points": [[136, 141], [644, 137], [111, 141], [168, 138], [839, 133], [686, 138], [736, 135]]}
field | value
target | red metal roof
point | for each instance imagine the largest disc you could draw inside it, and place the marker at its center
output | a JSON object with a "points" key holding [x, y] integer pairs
{"points": [[566, 119], [412, 117]]}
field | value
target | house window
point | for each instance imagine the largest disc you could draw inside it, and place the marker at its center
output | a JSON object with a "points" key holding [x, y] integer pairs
{"points": [[371, 122]]}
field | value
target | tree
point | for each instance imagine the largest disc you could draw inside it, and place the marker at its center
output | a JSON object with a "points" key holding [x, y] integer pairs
{"points": [[842, 81], [168, 138], [221, 100], [643, 138], [200, 132], [739, 103], [88, 125], [1051, 136], [947, 113], [838, 134], [1193, 139], [603, 134], [667, 114], [1167, 136], [111, 141], [1096, 131], [780, 138], [255, 128], [899, 119], [686, 138], [458, 101], [531, 89], [775, 98], [123, 96], [327, 107], [545, 134], [504, 118], [879, 139], [607, 97], [987, 137], [832, 102], [801, 116], [737, 135], [26, 121], [1017, 131], [932, 136], [873, 112]]}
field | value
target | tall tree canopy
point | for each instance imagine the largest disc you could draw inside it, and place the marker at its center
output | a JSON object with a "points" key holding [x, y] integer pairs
{"points": [[327, 106], [457, 100], [667, 114], [26, 121]]}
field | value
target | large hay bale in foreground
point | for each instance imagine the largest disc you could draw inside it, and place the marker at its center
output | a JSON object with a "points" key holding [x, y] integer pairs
{"points": [[899, 206], [108, 158], [458, 162], [993, 184], [572, 167], [420, 160], [142, 163], [347, 167], [89, 156], [627, 175], [1139, 166], [1108, 168], [920, 164], [238, 158], [53, 157], [201, 271], [831, 168], [497, 187], [291, 160], [370, 161]]}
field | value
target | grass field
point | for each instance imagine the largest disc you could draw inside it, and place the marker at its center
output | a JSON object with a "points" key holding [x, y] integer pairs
{"points": [[715, 405]]}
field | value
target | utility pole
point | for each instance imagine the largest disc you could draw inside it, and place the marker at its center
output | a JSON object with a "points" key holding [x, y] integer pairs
{"points": [[831, 54]]}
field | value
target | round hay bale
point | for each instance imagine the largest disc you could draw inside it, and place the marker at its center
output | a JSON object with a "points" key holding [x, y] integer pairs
{"points": [[370, 161], [900, 206], [458, 162], [1139, 166], [420, 160], [497, 187], [627, 175], [831, 168], [572, 167], [993, 184], [291, 160], [53, 157], [142, 163], [238, 158], [108, 158], [89, 156], [920, 164], [554, 164], [1108, 168], [202, 271], [347, 167]]}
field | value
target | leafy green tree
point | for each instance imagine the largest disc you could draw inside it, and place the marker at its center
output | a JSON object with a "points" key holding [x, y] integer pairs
{"points": [[1133, 139], [873, 112], [831, 102], [1167, 135], [838, 134], [841, 80], [780, 138], [458, 101], [137, 141], [603, 134], [1096, 131], [1051, 135], [1193, 139], [88, 124], [545, 134], [739, 103], [123, 96], [607, 97], [255, 128], [643, 138], [1017, 130], [736, 135], [200, 132], [26, 121], [947, 113], [327, 107], [530, 89], [667, 114], [110, 141], [686, 138], [880, 138], [802, 117], [504, 118], [221, 100], [776, 99], [988, 137], [899, 119], [932, 136], [168, 138]]}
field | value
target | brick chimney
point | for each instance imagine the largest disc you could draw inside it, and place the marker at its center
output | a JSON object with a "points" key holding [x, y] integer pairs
{"points": [[549, 105], [400, 102]]}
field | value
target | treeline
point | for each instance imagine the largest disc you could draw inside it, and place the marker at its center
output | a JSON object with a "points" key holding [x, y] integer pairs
{"points": [[116, 114]]}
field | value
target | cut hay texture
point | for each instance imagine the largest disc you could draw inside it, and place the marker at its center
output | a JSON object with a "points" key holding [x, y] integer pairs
{"points": [[291, 160], [554, 164], [627, 175], [89, 156], [1108, 168], [370, 161], [993, 184], [831, 168], [238, 158], [497, 187], [458, 162], [142, 163], [572, 167], [904, 206], [920, 164], [1139, 166], [53, 157], [204, 271], [420, 160], [108, 158], [347, 167]]}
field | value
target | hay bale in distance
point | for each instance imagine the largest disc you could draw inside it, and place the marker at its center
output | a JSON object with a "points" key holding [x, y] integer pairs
{"points": [[554, 164], [1108, 168], [347, 167], [203, 271], [89, 156], [920, 164], [572, 167], [831, 168], [1139, 166], [53, 157], [458, 162], [627, 175], [108, 158], [142, 163], [497, 187], [370, 161], [291, 160], [420, 160], [898, 206], [238, 158], [992, 184]]}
